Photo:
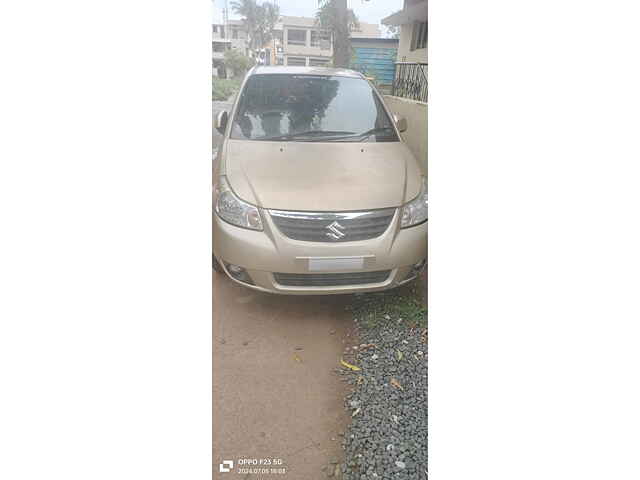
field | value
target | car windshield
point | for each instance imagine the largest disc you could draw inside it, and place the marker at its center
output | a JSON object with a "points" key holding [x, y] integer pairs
{"points": [[311, 108]]}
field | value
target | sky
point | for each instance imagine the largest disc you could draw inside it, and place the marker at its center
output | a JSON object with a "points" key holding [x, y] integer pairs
{"points": [[371, 11]]}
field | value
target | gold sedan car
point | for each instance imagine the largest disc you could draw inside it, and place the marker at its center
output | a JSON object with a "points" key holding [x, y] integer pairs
{"points": [[314, 190]]}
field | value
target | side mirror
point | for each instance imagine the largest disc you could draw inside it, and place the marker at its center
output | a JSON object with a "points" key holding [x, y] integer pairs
{"points": [[401, 122], [220, 121]]}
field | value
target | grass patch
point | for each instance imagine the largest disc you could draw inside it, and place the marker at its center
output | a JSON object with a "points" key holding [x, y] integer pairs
{"points": [[406, 302], [223, 88]]}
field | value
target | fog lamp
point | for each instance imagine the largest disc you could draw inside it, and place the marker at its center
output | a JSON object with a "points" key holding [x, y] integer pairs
{"points": [[234, 269], [238, 273]]}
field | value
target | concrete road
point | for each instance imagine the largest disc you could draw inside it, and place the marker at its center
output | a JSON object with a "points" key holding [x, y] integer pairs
{"points": [[275, 394]]}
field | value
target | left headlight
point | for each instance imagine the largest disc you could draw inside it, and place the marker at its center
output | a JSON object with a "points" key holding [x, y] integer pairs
{"points": [[233, 210], [415, 212]]}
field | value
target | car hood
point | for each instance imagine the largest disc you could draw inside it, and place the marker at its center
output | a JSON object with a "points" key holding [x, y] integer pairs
{"points": [[322, 176]]}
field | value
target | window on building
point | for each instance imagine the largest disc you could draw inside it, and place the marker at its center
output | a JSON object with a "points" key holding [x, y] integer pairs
{"points": [[317, 37], [215, 29], [423, 39], [297, 37], [222, 31], [318, 62], [234, 34], [297, 61], [219, 47], [419, 39]]}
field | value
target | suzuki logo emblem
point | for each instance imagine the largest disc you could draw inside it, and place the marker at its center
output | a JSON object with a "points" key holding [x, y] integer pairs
{"points": [[335, 231]]}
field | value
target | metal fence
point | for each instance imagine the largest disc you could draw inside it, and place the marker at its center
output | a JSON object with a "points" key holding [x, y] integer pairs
{"points": [[410, 81]]}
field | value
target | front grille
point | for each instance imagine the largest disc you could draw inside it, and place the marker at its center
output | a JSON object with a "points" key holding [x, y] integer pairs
{"points": [[330, 279], [333, 227]]}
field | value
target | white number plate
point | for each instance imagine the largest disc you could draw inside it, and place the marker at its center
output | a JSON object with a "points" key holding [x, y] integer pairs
{"points": [[326, 264]]}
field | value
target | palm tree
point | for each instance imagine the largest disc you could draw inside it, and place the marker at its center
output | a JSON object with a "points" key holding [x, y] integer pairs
{"points": [[268, 16], [259, 20], [333, 16], [248, 10]]}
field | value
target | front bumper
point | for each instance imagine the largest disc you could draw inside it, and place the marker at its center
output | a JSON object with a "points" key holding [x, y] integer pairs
{"points": [[263, 253]]}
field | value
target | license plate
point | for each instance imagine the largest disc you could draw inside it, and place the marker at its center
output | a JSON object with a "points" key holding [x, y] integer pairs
{"points": [[328, 264]]}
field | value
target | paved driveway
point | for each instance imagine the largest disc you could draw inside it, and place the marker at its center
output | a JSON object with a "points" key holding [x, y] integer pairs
{"points": [[275, 392]]}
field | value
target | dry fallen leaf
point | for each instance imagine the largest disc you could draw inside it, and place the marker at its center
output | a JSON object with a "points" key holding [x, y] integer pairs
{"points": [[399, 355], [356, 412], [349, 366], [396, 384]]}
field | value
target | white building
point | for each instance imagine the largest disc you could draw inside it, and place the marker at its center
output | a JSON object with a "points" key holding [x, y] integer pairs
{"points": [[410, 85], [303, 44], [366, 30], [227, 37], [296, 41], [412, 20], [231, 35]]}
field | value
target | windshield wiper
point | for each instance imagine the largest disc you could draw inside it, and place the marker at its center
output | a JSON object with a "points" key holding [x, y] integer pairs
{"points": [[375, 131], [309, 133], [366, 134]]}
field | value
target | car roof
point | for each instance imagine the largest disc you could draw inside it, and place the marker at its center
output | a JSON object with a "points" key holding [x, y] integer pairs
{"points": [[340, 72]]}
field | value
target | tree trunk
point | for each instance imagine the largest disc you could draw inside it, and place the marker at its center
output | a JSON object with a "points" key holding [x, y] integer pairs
{"points": [[341, 40]]}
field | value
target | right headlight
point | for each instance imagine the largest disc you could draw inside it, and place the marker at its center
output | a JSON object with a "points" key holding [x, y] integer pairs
{"points": [[233, 210], [415, 212]]}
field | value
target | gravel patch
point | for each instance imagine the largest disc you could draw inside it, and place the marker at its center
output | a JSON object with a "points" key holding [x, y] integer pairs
{"points": [[387, 438]]}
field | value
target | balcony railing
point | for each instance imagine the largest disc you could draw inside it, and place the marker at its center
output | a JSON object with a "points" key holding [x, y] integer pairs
{"points": [[410, 81]]}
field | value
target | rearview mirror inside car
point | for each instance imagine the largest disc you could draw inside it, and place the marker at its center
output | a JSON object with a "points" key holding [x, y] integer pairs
{"points": [[401, 122], [220, 121]]}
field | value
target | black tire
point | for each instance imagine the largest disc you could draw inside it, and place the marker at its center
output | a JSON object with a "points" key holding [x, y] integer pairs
{"points": [[216, 265]]}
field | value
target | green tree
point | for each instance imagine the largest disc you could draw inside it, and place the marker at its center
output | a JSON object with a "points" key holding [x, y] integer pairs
{"points": [[333, 16], [236, 62], [258, 19], [268, 16], [248, 10]]}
